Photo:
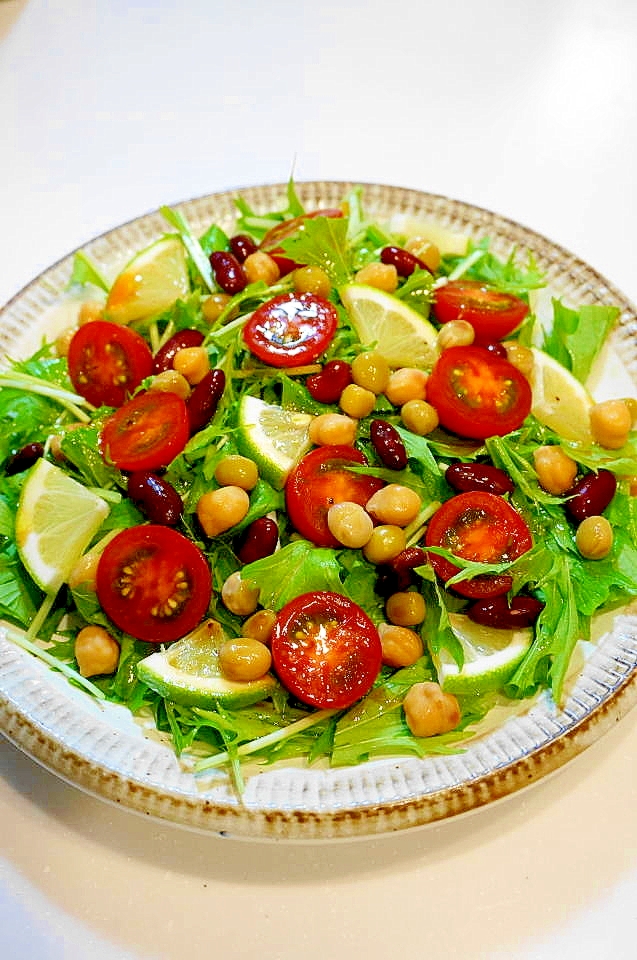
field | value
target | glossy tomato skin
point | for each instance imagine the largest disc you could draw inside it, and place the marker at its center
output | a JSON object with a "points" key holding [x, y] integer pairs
{"points": [[147, 432], [492, 313], [478, 526], [320, 480], [271, 243], [477, 394], [291, 329], [107, 362], [325, 650], [154, 583]]}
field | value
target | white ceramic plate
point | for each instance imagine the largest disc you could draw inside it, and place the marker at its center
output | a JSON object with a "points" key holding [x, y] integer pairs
{"points": [[102, 750]]}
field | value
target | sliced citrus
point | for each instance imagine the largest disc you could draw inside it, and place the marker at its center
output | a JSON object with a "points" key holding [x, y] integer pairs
{"points": [[559, 400], [449, 242], [188, 672], [399, 333], [274, 438], [153, 280], [56, 520], [490, 656]]}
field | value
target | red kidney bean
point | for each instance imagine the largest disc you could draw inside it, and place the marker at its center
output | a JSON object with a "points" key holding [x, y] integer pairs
{"points": [[24, 458], [464, 477], [398, 573], [242, 246], [229, 273], [388, 445], [590, 496], [496, 612], [155, 497], [165, 356], [259, 540], [496, 348], [204, 399], [328, 385], [404, 261]]}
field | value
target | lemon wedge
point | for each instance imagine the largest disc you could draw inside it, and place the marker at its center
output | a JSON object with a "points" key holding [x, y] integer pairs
{"points": [[559, 400], [274, 438], [151, 282], [401, 335], [490, 656]]}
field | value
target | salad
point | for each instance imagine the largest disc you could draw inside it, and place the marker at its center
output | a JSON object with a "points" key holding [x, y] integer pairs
{"points": [[318, 489]]}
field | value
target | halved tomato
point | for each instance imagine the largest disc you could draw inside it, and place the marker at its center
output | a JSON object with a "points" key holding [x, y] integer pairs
{"points": [[492, 313], [154, 583], [477, 394], [291, 329], [320, 480], [147, 432], [271, 243], [107, 362], [477, 526], [325, 650]]}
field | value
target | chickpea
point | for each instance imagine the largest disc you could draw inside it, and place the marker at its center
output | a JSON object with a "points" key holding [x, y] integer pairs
{"points": [[429, 711], [260, 626], [594, 538], [238, 471], [89, 311], [350, 524], [407, 383], [63, 342], [85, 571], [401, 647], [333, 428], [244, 659], [456, 333], [385, 543], [213, 306], [520, 357], [192, 363], [611, 421], [371, 371], [419, 417], [383, 276], [395, 504], [356, 401], [240, 596], [96, 651], [406, 608], [170, 381], [260, 266], [426, 251], [312, 280], [556, 471], [631, 403], [219, 510]]}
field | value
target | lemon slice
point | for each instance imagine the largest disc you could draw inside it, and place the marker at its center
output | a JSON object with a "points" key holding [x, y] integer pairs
{"points": [[274, 438], [559, 400], [490, 656], [400, 334], [56, 520], [448, 241], [188, 673], [153, 280]]}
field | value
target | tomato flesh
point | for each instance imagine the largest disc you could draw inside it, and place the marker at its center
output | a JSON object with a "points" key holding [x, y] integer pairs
{"points": [[477, 394], [320, 480], [325, 650], [154, 583], [271, 243], [477, 526], [147, 432], [291, 329], [107, 362], [492, 313]]}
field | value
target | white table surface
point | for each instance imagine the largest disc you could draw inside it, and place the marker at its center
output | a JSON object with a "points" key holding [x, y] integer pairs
{"points": [[109, 108]]}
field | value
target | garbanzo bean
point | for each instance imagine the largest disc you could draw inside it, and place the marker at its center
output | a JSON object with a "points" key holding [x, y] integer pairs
{"points": [[63, 342], [419, 417], [383, 276], [89, 311], [429, 711], [406, 608], [407, 383], [594, 538], [385, 543], [350, 524], [556, 471], [240, 596], [96, 651], [371, 371], [170, 381], [244, 659], [356, 401], [238, 471], [426, 251], [260, 625], [520, 357], [455, 333], [395, 504], [333, 428], [213, 306], [312, 280], [219, 510], [260, 266], [192, 363], [611, 421], [401, 646]]}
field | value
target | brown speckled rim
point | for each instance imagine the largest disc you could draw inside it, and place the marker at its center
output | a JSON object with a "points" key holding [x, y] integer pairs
{"points": [[32, 719]]}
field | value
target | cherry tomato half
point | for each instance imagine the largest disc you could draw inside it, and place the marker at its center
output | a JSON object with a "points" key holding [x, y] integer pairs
{"points": [[147, 432], [325, 650], [154, 583], [320, 480], [291, 329], [477, 394], [107, 362], [271, 243], [477, 526], [492, 313]]}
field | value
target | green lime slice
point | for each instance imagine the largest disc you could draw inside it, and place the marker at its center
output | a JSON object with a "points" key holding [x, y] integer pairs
{"points": [[490, 656], [274, 438], [400, 334], [153, 280]]}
